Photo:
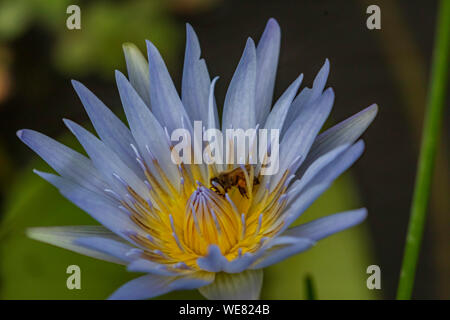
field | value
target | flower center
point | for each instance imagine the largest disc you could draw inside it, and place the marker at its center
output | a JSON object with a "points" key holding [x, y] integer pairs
{"points": [[179, 223], [211, 219]]}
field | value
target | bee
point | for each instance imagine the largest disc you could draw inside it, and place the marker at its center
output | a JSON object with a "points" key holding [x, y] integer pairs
{"points": [[231, 178]]}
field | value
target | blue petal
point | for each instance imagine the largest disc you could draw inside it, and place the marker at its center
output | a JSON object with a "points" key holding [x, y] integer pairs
{"points": [[213, 123], [315, 168], [301, 134], [320, 81], [239, 107], [143, 265], [267, 53], [308, 96], [324, 227], [196, 80], [347, 131], [239, 286], [279, 253], [301, 202], [101, 208], [276, 117], [146, 130], [153, 285], [213, 117], [112, 247], [303, 196], [137, 67], [166, 104], [69, 237], [107, 162], [213, 261], [241, 263], [296, 108], [110, 129], [246, 260], [67, 162], [344, 161]]}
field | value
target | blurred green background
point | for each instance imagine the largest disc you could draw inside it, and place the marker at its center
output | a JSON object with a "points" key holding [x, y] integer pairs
{"points": [[39, 56]]}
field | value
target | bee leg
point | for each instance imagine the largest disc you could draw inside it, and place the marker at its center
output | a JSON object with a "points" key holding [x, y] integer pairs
{"points": [[218, 188], [243, 191]]}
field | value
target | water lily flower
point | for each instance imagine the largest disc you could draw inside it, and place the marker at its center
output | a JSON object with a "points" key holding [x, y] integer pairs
{"points": [[165, 219]]}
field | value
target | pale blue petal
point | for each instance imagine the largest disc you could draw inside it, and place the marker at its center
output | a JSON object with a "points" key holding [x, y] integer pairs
{"points": [[301, 134], [213, 117], [267, 53], [110, 129], [301, 202], [239, 286], [112, 247], [296, 108], [308, 96], [213, 123], [143, 265], [196, 80], [166, 104], [146, 129], [214, 261], [316, 167], [67, 162], [239, 107], [103, 209], [279, 253], [107, 162], [152, 285], [137, 67], [344, 161], [276, 117], [324, 227], [320, 81], [303, 195], [347, 131], [68, 237], [241, 263]]}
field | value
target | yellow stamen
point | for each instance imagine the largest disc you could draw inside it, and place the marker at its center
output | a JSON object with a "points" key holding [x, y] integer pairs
{"points": [[181, 225]]}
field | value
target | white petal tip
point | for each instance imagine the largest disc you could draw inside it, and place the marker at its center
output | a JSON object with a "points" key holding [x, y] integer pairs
{"points": [[20, 133], [272, 25]]}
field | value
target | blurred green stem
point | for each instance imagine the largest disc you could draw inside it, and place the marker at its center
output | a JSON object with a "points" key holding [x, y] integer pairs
{"points": [[430, 137], [309, 288]]}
